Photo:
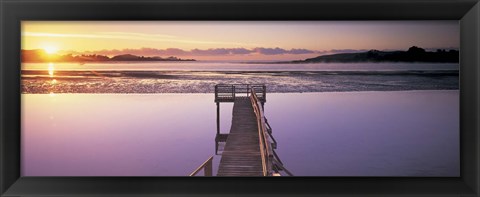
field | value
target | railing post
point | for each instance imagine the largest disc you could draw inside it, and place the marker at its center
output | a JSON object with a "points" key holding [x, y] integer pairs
{"points": [[233, 92], [264, 93], [218, 118], [208, 168], [216, 145], [216, 92], [269, 164]]}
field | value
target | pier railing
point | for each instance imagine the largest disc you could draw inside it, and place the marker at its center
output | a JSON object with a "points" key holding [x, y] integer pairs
{"points": [[207, 168], [256, 93], [229, 92], [271, 163], [266, 148]]}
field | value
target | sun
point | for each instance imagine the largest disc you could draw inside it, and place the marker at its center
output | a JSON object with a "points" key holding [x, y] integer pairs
{"points": [[50, 49]]}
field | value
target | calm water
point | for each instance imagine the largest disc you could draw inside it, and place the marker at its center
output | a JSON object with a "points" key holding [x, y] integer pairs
{"points": [[384, 133]]}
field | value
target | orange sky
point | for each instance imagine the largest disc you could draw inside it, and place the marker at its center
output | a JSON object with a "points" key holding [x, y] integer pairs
{"points": [[236, 40]]}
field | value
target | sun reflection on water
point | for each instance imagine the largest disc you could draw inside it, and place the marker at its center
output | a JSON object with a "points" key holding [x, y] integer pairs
{"points": [[51, 72], [51, 69]]}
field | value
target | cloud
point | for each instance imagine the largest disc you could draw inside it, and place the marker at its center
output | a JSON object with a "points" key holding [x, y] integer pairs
{"points": [[335, 51], [221, 51], [131, 36], [197, 52], [301, 51], [137, 34], [173, 51], [280, 51], [270, 51], [347, 50]]}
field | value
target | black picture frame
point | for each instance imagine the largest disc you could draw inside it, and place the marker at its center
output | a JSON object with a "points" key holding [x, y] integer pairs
{"points": [[12, 12]]}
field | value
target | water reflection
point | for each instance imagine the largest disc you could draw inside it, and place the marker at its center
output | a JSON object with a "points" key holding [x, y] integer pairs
{"points": [[115, 134], [51, 69], [328, 134], [51, 74], [220, 140]]}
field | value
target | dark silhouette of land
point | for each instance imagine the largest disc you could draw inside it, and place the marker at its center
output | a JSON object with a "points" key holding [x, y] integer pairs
{"points": [[39, 55], [413, 54]]}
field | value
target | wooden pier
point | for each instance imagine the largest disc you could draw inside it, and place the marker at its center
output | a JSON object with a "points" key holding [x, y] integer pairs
{"points": [[249, 146], [241, 155]]}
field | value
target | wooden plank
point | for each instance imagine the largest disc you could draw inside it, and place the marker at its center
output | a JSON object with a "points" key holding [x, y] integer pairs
{"points": [[241, 155]]}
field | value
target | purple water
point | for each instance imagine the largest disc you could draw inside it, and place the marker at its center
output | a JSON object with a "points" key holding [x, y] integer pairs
{"points": [[384, 133]]}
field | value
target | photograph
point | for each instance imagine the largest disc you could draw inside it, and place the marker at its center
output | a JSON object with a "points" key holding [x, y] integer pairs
{"points": [[377, 98]]}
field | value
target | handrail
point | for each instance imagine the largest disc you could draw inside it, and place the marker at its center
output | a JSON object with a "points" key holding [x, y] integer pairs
{"points": [[269, 130], [280, 165], [228, 92], [270, 159], [271, 163], [276, 157], [207, 166], [266, 149]]}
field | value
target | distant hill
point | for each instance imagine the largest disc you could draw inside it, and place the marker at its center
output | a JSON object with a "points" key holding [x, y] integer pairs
{"points": [[39, 55], [413, 54]]}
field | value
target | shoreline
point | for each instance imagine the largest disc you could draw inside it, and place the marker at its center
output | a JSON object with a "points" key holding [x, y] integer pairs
{"points": [[126, 82], [275, 93]]}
